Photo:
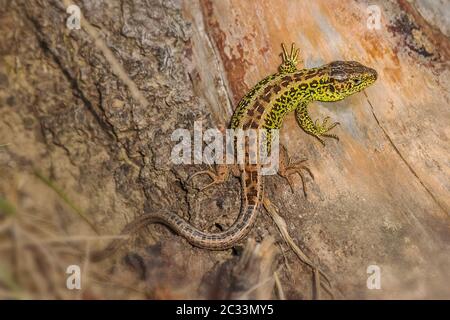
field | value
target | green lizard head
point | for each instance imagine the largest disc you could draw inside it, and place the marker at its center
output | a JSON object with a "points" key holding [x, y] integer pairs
{"points": [[345, 78]]}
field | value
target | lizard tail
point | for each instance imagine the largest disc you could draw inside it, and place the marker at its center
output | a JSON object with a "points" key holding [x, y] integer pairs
{"points": [[212, 241], [251, 198]]}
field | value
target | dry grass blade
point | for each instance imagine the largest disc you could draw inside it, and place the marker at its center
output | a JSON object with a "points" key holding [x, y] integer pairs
{"points": [[279, 287], [7, 279], [66, 199], [282, 227], [65, 240], [6, 208], [253, 275]]}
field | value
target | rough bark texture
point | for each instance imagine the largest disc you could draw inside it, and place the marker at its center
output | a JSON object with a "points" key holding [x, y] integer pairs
{"points": [[86, 118]]}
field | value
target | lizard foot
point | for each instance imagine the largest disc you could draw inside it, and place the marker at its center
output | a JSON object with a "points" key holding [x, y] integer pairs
{"points": [[288, 168], [218, 176], [290, 61], [322, 130]]}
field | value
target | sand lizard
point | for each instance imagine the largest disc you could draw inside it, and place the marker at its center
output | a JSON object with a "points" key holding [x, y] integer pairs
{"points": [[264, 107]]}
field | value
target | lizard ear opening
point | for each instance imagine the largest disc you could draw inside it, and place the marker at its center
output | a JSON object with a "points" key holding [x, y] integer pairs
{"points": [[338, 75]]}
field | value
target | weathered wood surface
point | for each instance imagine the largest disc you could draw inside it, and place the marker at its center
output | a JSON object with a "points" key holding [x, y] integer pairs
{"points": [[93, 110]]}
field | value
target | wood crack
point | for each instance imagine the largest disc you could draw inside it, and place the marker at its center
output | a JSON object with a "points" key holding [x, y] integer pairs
{"points": [[411, 169]]}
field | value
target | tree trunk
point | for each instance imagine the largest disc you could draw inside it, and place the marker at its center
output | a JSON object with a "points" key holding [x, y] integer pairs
{"points": [[87, 115]]}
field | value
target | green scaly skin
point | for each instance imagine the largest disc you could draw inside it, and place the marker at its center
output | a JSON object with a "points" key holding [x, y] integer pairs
{"points": [[292, 89]]}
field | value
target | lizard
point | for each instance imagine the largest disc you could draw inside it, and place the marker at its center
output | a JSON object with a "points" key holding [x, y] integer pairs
{"points": [[264, 107]]}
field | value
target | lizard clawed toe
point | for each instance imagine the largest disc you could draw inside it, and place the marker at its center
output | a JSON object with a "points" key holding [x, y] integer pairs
{"points": [[329, 135], [298, 168], [321, 130], [290, 60], [287, 169], [218, 176]]}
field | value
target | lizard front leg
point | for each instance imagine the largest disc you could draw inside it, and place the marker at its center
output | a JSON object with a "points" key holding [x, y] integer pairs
{"points": [[314, 128], [290, 60]]}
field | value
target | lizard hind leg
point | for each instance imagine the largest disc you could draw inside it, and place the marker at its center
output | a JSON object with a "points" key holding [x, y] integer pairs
{"points": [[288, 168], [219, 175]]}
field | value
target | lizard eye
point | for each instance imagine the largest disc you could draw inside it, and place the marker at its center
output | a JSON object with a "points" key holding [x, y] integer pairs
{"points": [[357, 81]]}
